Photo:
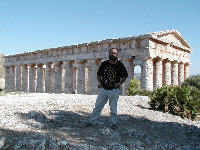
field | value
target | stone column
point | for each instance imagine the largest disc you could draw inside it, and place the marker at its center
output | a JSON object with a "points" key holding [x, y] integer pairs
{"points": [[181, 73], [130, 69], [75, 73], [40, 79], [58, 77], [158, 74], [52, 77], [48, 78], [142, 84], [92, 83], [94, 69], [147, 75], [88, 78], [174, 73], [187, 71], [63, 80], [32, 78], [12, 78], [68, 77], [167, 73], [7, 78], [81, 77], [25, 78], [18, 78]]}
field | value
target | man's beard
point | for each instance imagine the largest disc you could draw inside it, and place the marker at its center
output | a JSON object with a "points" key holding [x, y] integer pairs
{"points": [[113, 58]]}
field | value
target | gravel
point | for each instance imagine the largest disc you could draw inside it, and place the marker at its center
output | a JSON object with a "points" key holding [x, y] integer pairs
{"points": [[57, 121]]}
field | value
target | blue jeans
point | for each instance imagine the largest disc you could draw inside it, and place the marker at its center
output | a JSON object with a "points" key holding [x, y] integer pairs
{"points": [[102, 98]]}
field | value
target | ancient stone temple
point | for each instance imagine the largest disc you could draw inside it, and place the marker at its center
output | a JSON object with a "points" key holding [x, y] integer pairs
{"points": [[164, 58]]}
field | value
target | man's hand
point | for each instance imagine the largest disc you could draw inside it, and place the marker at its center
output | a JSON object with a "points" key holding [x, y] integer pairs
{"points": [[116, 85], [100, 85]]}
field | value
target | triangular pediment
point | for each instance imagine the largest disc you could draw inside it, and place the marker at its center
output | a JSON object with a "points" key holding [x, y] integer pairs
{"points": [[172, 37]]}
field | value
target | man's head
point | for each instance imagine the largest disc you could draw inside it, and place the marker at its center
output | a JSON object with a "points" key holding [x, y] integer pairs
{"points": [[113, 54]]}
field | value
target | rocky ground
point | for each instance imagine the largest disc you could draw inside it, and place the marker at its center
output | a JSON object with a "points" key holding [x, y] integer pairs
{"points": [[57, 121]]}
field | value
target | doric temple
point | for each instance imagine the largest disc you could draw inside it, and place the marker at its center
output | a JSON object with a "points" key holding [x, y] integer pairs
{"points": [[164, 58]]}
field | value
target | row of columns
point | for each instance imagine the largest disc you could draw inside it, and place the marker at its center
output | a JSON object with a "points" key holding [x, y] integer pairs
{"points": [[37, 78], [77, 77], [156, 73]]}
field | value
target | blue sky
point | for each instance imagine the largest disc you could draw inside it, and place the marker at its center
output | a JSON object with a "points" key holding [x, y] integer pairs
{"points": [[29, 25]]}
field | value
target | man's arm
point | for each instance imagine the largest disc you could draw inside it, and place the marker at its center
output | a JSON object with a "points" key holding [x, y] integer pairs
{"points": [[99, 81], [123, 80], [117, 85]]}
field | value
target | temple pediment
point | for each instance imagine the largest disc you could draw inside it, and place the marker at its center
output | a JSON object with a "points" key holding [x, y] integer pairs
{"points": [[172, 37]]}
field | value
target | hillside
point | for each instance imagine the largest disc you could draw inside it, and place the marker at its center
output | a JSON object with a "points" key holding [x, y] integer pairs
{"points": [[57, 121]]}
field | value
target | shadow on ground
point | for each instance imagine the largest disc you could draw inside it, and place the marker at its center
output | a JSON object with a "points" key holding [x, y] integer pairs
{"points": [[59, 129]]}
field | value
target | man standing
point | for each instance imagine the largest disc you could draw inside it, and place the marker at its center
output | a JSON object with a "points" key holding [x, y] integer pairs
{"points": [[110, 76]]}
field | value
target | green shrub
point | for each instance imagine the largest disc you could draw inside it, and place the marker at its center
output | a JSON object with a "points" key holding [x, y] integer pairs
{"points": [[134, 85], [143, 92], [193, 81], [182, 100]]}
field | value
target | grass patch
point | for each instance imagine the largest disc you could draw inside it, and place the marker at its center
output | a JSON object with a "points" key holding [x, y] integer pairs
{"points": [[2, 93]]}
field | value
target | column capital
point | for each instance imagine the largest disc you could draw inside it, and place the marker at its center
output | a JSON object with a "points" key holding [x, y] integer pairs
{"points": [[12, 66], [68, 62], [127, 62], [174, 62], [18, 66], [25, 65], [100, 60], [91, 62], [181, 63], [40, 65], [148, 60], [48, 63], [7, 67], [166, 60], [75, 64], [32, 65], [83, 61], [128, 59], [187, 64], [58, 63], [157, 59]]}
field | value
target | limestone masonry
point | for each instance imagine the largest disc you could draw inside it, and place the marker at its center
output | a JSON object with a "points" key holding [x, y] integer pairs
{"points": [[164, 58]]}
